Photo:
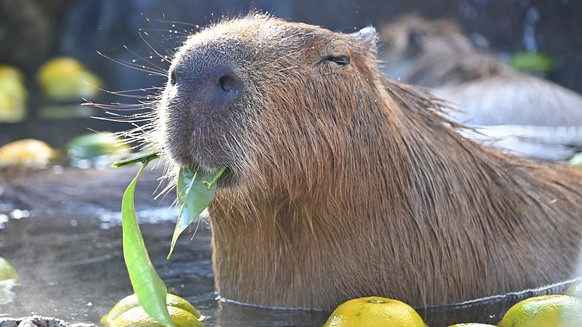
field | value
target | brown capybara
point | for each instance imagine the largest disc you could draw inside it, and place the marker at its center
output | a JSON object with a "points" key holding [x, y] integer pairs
{"points": [[436, 54], [342, 184]]}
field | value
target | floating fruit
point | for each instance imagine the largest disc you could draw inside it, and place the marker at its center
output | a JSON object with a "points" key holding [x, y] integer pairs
{"points": [[65, 78], [544, 311], [13, 95], [374, 311], [27, 152]]}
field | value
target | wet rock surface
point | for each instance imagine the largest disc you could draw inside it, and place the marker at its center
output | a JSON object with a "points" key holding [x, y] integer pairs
{"points": [[79, 190]]}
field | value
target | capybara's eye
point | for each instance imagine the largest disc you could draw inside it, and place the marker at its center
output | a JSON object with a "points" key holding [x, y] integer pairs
{"points": [[340, 60], [415, 41], [415, 38]]}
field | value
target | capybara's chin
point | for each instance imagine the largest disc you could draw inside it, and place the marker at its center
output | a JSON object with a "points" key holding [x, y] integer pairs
{"points": [[345, 184]]}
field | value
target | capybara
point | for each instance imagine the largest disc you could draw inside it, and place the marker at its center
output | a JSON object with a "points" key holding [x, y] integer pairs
{"points": [[342, 184], [436, 54], [511, 110]]}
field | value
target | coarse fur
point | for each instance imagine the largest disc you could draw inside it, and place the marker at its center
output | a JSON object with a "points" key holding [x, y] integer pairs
{"points": [[343, 184]]}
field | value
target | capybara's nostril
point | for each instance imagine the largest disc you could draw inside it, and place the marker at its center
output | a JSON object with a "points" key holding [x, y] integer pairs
{"points": [[227, 88], [229, 83]]}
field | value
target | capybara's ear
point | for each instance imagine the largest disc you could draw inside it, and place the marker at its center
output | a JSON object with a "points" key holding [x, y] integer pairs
{"points": [[368, 37]]}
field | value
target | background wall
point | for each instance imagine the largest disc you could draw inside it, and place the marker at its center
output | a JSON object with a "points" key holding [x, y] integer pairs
{"points": [[32, 31]]}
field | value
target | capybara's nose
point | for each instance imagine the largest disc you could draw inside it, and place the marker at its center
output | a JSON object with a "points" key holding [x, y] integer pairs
{"points": [[208, 87]]}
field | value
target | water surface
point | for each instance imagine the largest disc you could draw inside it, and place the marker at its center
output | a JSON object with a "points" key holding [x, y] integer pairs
{"points": [[68, 252]]}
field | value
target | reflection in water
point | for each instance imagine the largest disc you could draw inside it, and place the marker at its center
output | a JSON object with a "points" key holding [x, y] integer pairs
{"points": [[71, 262], [6, 293]]}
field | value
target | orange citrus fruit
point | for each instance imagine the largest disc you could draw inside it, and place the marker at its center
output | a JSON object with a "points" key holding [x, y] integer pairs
{"points": [[13, 95], [545, 311], [65, 78], [374, 311]]}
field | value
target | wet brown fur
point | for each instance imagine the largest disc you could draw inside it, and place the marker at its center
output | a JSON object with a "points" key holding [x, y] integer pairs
{"points": [[344, 184]]}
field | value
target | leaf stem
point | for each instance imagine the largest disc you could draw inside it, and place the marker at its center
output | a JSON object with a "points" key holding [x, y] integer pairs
{"points": [[144, 159], [215, 178]]}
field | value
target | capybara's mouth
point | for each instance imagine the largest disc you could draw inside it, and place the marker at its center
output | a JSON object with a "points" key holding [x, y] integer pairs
{"points": [[227, 179], [224, 179]]}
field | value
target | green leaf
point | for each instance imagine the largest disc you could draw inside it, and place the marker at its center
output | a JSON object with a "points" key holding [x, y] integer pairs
{"points": [[7, 272], [531, 62], [196, 189], [147, 285]]}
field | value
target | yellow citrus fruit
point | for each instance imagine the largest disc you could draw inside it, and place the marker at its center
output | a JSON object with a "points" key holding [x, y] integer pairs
{"points": [[472, 324], [65, 78], [10, 73], [26, 152], [13, 95], [131, 301], [137, 317], [575, 290], [374, 311], [59, 67], [545, 311]]}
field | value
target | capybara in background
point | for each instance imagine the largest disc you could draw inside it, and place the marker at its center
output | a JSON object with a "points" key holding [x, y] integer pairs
{"points": [[511, 110], [342, 184], [436, 54]]}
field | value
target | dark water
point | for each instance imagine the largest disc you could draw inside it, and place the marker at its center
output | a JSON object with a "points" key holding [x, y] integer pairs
{"points": [[68, 253]]}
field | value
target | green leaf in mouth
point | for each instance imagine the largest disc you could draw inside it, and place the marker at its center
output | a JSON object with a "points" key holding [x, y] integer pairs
{"points": [[196, 189]]}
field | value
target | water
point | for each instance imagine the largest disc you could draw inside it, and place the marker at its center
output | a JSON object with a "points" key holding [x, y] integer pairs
{"points": [[76, 272], [67, 250]]}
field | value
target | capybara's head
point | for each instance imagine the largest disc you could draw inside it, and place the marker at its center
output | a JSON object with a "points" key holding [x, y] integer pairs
{"points": [[434, 53], [407, 37], [261, 96]]}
